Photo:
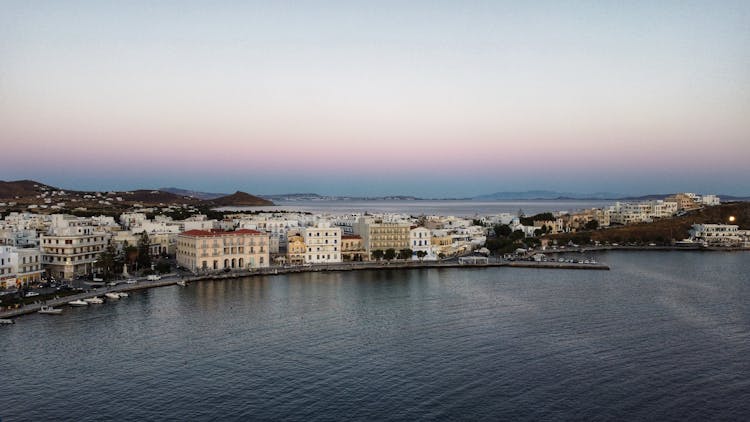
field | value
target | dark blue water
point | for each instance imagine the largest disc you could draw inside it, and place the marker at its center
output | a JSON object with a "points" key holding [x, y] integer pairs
{"points": [[663, 336]]}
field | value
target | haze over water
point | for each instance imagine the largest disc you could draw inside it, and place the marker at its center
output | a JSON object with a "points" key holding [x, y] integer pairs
{"points": [[663, 336]]}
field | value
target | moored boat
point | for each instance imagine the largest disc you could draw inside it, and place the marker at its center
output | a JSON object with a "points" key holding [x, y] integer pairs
{"points": [[113, 296], [49, 310], [6, 321], [94, 300], [181, 283], [123, 294], [78, 302]]}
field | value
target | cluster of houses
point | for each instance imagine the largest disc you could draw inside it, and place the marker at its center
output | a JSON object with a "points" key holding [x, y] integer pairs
{"points": [[64, 246]]}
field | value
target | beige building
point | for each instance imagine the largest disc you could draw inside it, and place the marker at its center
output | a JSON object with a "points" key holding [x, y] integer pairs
{"points": [[210, 250], [323, 244], [71, 251], [352, 248], [377, 235], [684, 201], [296, 249]]}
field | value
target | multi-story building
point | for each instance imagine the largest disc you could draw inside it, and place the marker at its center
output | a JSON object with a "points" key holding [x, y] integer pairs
{"points": [[420, 239], [720, 235], [8, 265], [377, 235], [323, 243], [296, 249], [209, 250], [29, 266], [352, 248], [71, 247], [684, 201]]}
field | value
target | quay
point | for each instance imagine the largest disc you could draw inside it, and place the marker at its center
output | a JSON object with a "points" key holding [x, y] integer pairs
{"points": [[172, 279]]}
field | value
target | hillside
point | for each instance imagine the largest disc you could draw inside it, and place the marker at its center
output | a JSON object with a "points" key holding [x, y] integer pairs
{"points": [[193, 193], [663, 231], [240, 199], [22, 189]]}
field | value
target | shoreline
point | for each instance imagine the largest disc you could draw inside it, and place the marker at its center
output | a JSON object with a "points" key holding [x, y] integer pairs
{"points": [[172, 279]]}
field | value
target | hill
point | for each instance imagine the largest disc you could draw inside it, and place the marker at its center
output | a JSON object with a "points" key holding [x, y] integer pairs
{"points": [[664, 230], [240, 199], [193, 193], [22, 189]]}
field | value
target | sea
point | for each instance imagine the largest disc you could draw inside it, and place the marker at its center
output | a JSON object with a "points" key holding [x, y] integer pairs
{"points": [[661, 336], [458, 208]]}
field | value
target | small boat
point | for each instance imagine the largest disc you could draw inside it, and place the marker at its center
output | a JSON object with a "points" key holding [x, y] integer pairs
{"points": [[122, 294], [49, 310], [6, 321], [181, 283], [78, 302], [94, 300], [113, 296]]}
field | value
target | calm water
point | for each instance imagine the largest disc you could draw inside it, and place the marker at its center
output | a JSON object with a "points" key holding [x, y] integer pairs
{"points": [[663, 336], [455, 208]]}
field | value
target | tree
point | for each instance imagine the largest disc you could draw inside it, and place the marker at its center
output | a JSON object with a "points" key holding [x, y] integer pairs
{"points": [[106, 262], [517, 235], [163, 266], [502, 230], [421, 255], [405, 253], [144, 255], [390, 253], [377, 254], [591, 225]]}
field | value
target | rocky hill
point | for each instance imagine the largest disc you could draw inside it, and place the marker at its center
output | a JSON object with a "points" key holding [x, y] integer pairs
{"points": [[240, 199]]}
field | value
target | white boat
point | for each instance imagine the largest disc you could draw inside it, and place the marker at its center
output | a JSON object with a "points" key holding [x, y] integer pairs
{"points": [[49, 310], [131, 281], [94, 300], [113, 296], [181, 283], [7, 321], [123, 294], [78, 302]]}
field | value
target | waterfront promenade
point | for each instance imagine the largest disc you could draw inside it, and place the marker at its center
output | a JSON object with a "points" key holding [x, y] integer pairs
{"points": [[171, 279]]}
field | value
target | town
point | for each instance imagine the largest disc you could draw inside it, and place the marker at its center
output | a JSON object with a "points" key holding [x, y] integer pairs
{"points": [[38, 248]]}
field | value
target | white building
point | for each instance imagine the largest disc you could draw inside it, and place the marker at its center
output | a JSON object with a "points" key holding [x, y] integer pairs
{"points": [[720, 235], [323, 244], [420, 239]]}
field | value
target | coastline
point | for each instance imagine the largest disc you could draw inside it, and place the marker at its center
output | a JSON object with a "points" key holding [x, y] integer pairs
{"points": [[172, 279]]}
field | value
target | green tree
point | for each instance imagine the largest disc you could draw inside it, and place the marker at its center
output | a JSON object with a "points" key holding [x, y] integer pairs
{"points": [[405, 253], [517, 235], [144, 255], [421, 255], [106, 262], [591, 225], [163, 266], [390, 253], [502, 230], [378, 254]]}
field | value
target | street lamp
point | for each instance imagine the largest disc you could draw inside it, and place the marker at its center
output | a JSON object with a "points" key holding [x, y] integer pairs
{"points": [[731, 219]]}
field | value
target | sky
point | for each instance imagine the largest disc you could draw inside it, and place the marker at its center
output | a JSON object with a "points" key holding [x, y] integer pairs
{"points": [[427, 98]]}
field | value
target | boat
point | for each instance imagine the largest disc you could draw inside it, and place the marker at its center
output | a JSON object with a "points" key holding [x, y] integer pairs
{"points": [[6, 321], [78, 302], [49, 310], [94, 300], [181, 283], [113, 296], [122, 294]]}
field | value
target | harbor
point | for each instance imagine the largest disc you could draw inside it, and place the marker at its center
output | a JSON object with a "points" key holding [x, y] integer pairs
{"points": [[184, 279]]}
